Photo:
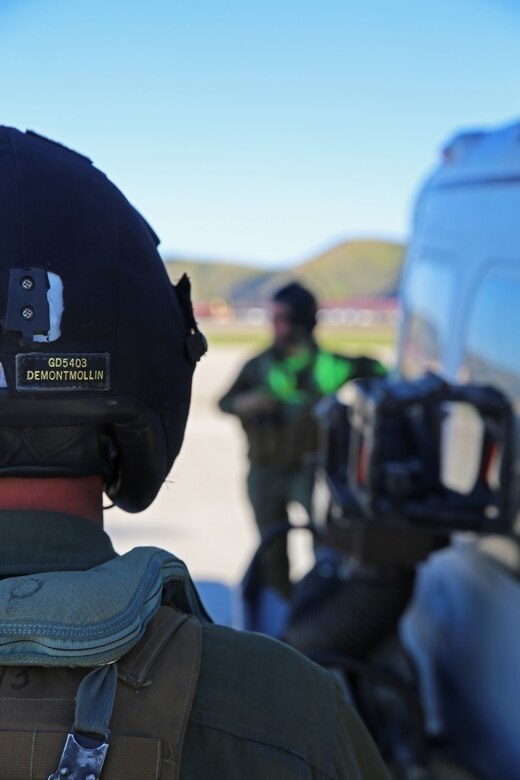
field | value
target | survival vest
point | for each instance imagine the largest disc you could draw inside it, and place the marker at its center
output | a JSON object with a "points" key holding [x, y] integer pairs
{"points": [[99, 670]]}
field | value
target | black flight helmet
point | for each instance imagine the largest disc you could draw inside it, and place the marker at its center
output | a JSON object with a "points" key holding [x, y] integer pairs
{"points": [[97, 347]]}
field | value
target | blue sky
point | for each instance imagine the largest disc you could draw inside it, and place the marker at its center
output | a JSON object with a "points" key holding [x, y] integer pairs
{"points": [[260, 130]]}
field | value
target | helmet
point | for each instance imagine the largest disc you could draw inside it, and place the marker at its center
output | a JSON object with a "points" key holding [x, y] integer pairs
{"points": [[97, 347], [301, 304]]}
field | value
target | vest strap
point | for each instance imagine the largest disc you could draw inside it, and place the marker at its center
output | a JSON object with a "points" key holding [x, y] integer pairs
{"points": [[185, 654], [154, 698], [83, 755], [134, 668]]}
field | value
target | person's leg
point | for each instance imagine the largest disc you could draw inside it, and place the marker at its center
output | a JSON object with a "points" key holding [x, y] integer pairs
{"points": [[302, 487], [302, 491], [266, 488]]}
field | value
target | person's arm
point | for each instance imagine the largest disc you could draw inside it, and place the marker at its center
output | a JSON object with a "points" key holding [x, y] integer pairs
{"points": [[332, 371], [365, 367], [247, 395]]}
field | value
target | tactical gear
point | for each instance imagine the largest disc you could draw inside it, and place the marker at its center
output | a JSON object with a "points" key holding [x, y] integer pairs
{"points": [[259, 710], [97, 348], [156, 686], [93, 619], [283, 435]]}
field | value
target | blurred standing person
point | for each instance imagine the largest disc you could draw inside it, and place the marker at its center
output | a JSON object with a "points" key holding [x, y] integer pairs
{"points": [[274, 396]]}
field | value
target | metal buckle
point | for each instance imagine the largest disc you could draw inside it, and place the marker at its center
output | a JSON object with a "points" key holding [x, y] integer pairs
{"points": [[78, 762]]}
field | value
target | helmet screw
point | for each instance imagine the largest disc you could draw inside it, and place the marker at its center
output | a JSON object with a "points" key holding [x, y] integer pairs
{"points": [[27, 312], [27, 283]]}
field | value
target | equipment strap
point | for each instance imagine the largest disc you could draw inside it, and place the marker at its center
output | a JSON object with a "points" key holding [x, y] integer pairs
{"points": [[187, 650], [170, 677], [134, 667], [95, 701], [166, 685]]}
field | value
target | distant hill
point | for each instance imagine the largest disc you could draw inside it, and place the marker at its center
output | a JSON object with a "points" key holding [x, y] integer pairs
{"points": [[212, 280], [355, 268], [349, 269]]}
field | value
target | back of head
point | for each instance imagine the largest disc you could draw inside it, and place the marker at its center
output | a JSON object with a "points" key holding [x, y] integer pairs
{"points": [[97, 347]]}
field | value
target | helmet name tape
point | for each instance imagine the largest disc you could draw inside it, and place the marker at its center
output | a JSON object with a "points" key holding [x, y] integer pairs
{"points": [[79, 371]]}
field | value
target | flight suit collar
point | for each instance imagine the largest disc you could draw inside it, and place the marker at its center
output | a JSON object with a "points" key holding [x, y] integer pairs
{"points": [[32, 541]]}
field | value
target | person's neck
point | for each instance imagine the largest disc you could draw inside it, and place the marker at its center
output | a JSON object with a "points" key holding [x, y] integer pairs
{"points": [[287, 348], [81, 496]]}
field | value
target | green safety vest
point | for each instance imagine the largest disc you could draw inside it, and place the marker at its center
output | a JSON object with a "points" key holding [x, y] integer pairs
{"points": [[328, 372]]}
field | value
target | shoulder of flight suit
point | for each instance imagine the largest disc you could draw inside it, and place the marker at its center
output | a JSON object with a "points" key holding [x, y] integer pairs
{"points": [[262, 710]]}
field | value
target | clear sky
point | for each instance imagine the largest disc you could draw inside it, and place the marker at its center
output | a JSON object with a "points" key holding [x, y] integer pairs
{"points": [[260, 130]]}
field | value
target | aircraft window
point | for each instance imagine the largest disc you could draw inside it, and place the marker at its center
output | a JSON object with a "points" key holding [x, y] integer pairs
{"points": [[492, 344], [428, 300]]}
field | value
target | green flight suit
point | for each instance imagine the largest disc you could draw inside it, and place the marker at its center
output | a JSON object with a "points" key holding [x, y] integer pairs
{"points": [[261, 710], [282, 437]]}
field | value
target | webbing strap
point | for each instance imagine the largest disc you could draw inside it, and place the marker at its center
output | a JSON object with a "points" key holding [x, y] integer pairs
{"points": [[86, 746], [175, 678], [161, 674], [95, 701], [134, 668], [188, 654]]}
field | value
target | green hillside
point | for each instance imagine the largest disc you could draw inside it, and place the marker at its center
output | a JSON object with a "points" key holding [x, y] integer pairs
{"points": [[352, 268], [211, 280]]}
